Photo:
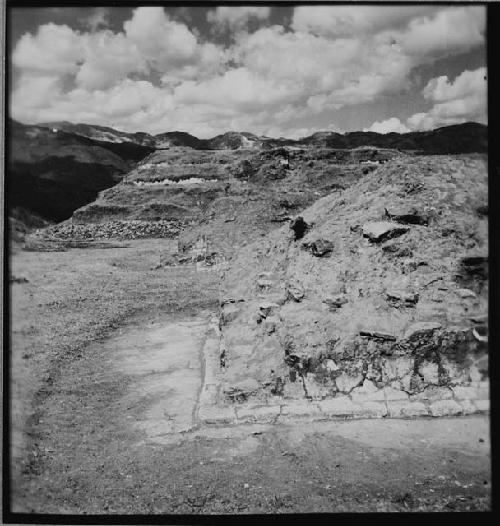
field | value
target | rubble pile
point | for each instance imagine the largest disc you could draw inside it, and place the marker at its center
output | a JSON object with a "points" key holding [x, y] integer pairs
{"points": [[364, 291], [134, 229]]}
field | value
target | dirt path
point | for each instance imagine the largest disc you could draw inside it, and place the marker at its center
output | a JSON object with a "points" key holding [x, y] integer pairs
{"points": [[118, 435]]}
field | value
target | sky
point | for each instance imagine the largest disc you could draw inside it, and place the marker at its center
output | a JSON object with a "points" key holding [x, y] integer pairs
{"points": [[280, 71]]}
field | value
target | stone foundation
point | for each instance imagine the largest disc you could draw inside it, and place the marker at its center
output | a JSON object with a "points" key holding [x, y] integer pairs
{"points": [[366, 394]]}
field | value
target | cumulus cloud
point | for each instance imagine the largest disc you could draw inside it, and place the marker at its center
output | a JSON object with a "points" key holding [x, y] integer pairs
{"points": [[339, 20], [388, 126], [451, 30], [237, 17], [454, 102], [264, 79], [55, 48], [464, 99]]}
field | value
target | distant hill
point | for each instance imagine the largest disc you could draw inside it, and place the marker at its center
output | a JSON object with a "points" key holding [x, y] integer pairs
{"points": [[235, 141], [178, 139], [52, 173], [469, 137], [101, 133]]}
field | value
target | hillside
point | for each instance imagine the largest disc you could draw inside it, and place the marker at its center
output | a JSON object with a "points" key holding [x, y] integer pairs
{"points": [[52, 173], [101, 133], [383, 286], [230, 196]]}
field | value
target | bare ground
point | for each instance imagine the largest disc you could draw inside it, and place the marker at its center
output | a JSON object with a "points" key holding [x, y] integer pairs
{"points": [[100, 383]]}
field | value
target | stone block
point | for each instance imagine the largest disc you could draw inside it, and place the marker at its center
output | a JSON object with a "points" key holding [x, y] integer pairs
{"points": [[430, 372], [445, 408], [432, 394], [407, 214], [467, 407], [373, 410], [256, 413], [339, 406], [482, 405], [300, 408], [378, 231], [368, 392], [346, 382], [315, 389], [393, 394], [396, 368], [404, 409], [216, 415], [319, 247], [465, 392]]}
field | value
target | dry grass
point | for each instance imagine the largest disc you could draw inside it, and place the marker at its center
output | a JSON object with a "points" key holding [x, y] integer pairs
{"points": [[78, 296]]}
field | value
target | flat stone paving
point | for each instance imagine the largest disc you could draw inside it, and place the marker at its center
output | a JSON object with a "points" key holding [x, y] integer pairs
{"points": [[164, 363]]}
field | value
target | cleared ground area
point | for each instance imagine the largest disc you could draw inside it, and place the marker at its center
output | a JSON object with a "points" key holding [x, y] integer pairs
{"points": [[107, 368]]}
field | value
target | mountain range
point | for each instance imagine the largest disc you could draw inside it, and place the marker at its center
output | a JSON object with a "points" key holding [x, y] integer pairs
{"points": [[55, 168], [460, 138]]}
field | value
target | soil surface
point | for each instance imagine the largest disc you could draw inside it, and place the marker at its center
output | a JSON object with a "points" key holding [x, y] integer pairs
{"points": [[105, 397]]}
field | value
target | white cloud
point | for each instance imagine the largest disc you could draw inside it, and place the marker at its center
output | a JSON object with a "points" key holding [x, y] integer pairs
{"points": [[338, 20], [237, 17], [464, 99], [451, 30], [160, 40], [268, 80], [109, 58], [55, 49], [467, 84], [388, 126]]}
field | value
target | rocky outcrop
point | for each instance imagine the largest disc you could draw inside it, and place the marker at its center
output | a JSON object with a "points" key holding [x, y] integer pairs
{"points": [[319, 247], [406, 214]]}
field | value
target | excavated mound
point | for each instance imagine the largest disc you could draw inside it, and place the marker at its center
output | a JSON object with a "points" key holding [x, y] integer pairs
{"points": [[381, 286], [228, 197]]}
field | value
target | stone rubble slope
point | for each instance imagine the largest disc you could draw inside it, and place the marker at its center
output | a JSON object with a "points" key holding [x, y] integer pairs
{"points": [[383, 293]]}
